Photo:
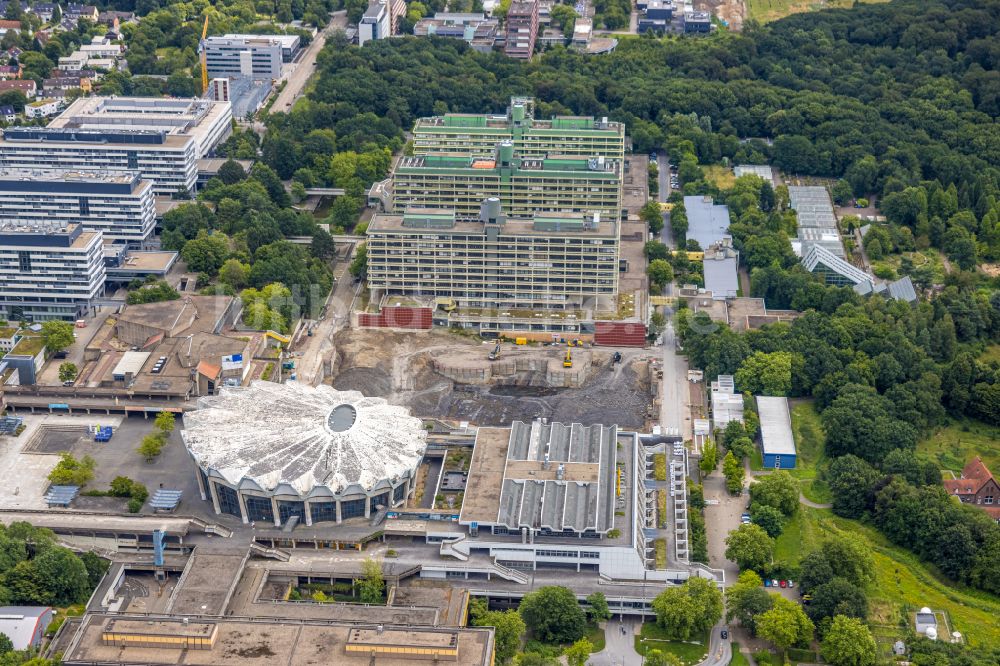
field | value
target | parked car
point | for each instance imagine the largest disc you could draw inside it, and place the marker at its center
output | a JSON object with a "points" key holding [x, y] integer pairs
{"points": [[791, 584], [783, 583], [745, 518], [767, 582], [774, 583]]}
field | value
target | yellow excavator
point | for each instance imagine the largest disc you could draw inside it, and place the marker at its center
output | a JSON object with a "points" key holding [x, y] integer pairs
{"points": [[568, 360], [204, 57]]}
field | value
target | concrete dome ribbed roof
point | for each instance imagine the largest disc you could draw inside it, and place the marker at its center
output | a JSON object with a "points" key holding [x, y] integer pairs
{"points": [[289, 433]]}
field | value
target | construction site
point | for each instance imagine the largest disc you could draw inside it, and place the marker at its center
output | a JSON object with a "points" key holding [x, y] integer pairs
{"points": [[444, 375]]}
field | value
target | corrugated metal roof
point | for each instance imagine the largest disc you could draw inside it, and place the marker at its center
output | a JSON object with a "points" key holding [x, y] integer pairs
{"points": [[775, 426]]}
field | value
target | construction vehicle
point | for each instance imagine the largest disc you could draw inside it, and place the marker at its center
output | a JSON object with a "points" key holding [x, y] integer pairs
{"points": [[568, 360], [495, 354], [520, 341], [204, 57], [617, 357]]}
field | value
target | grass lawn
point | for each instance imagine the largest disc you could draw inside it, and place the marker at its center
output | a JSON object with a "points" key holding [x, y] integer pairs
{"points": [[809, 444], [800, 536], [653, 637], [771, 10], [923, 259], [954, 445], [738, 658], [722, 176], [902, 583], [596, 636], [764, 658]]}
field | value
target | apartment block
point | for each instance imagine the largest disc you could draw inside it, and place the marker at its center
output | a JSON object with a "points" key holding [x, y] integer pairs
{"points": [[522, 29], [479, 134], [258, 58], [162, 139], [49, 271], [526, 187], [118, 204], [548, 261]]}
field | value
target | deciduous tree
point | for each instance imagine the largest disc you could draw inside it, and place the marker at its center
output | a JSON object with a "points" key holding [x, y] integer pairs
{"points": [[688, 609], [58, 335], [509, 628], [750, 547], [779, 490], [785, 625], [553, 614], [849, 642]]}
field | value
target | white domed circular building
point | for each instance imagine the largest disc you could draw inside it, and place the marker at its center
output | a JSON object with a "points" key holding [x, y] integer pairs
{"points": [[268, 452]]}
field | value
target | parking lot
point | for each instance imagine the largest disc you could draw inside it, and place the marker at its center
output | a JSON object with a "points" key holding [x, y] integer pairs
{"points": [[28, 459]]}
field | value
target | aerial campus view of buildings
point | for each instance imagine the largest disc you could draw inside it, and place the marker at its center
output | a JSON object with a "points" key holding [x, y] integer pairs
{"points": [[521, 231]]}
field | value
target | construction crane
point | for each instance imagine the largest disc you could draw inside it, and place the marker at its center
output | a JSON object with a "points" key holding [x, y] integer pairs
{"points": [[568, 360], [204, 57], [495, 354]]}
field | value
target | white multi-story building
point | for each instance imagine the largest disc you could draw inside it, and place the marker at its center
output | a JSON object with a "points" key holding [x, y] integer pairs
{"points": [[49, 271], [162, 139], [380, 20], [257, 58], [121, 204], [290, 44], [41, 108], [374, 24]]}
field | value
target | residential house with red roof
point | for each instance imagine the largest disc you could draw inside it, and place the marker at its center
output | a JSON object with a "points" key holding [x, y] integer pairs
{"points": [[977, 486]]}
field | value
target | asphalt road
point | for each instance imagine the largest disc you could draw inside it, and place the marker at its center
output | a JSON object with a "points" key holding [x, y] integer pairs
{"points": [[719, 651], [49, 375], [307, 64], [619, 648], [666, 235], [319, 346]]}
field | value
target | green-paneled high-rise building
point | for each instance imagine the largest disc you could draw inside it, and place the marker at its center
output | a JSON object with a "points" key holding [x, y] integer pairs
{"points": [[479, 134]]}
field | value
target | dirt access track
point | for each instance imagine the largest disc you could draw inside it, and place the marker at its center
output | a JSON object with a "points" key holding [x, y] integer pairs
{"points": [[400, 368]]}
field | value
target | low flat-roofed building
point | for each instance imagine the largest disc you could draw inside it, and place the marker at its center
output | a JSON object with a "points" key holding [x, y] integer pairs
{"points": [[697, 21], [480, 32], [208, 168], [760, 170], [708, 223], [720, 266], [25, 625], [727, 404], [777, 440], [138, 324], [122, 265], [554, 478], [140, 640]]}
